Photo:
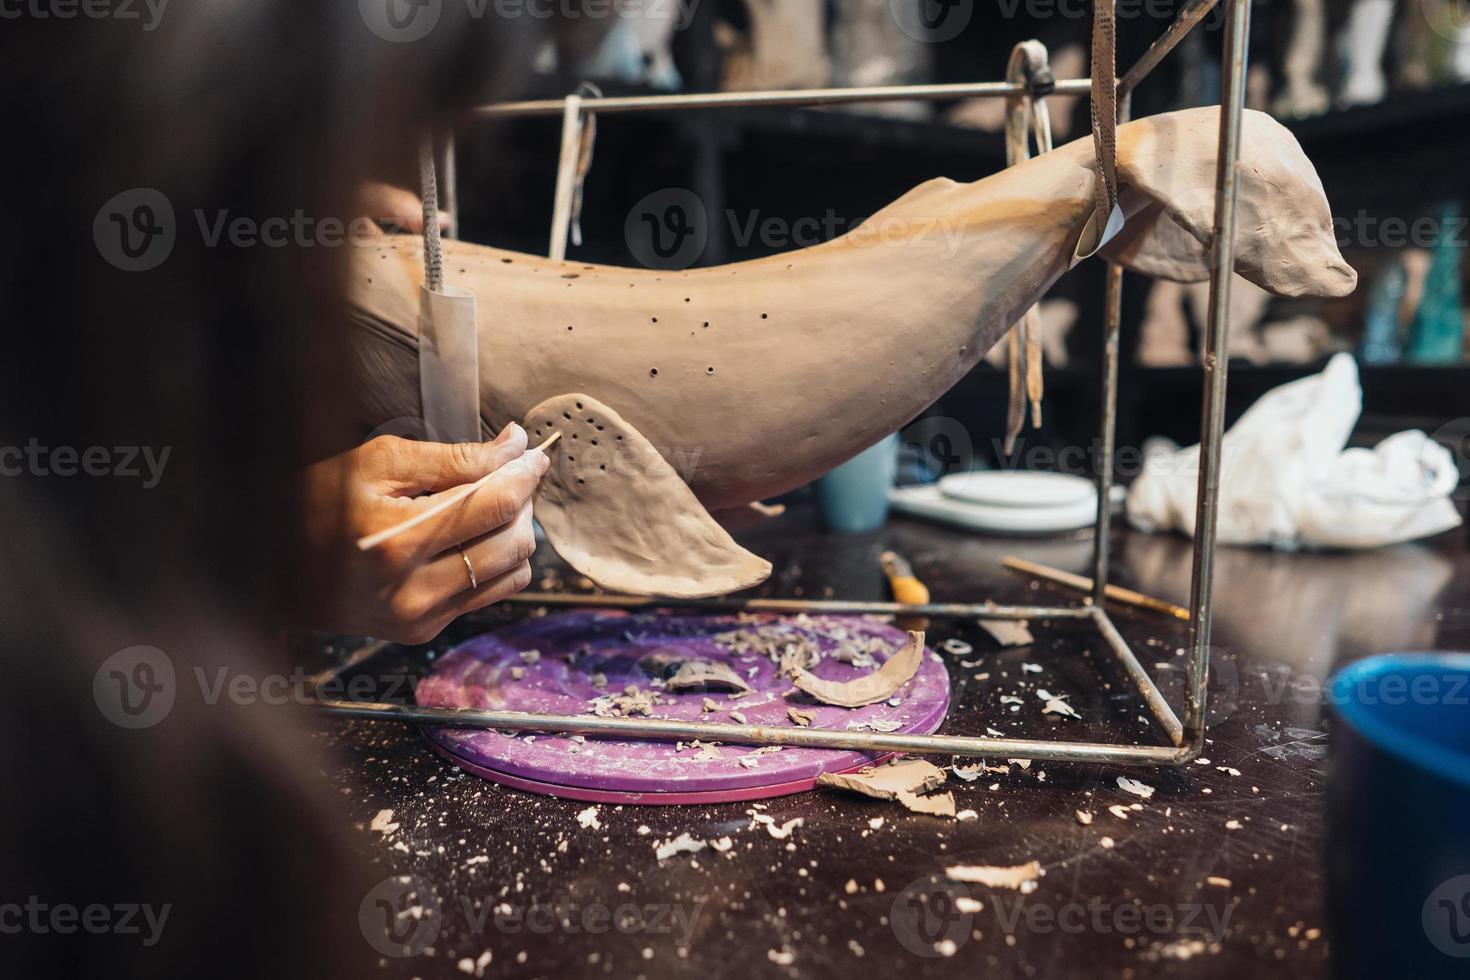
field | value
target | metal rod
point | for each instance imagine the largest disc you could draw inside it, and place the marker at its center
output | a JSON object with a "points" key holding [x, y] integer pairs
{"points": [[1193, 12], [1216, 357], [1102, 534], [778, 97], [566, 176], [449, 187], [669, 731], [977, 610], [1146, 687], [1112, 324]]}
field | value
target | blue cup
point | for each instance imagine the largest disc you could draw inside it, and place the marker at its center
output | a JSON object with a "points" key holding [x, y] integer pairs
{"points": [[1398, 817], [853, 498]]}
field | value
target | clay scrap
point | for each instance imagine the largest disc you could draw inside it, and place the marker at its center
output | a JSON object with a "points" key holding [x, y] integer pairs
{"points": [[1135, 787], [886, 782], [1019, 877], [880, 685], [906, 781], [703, 675], [1008, 633], [802, 719]]}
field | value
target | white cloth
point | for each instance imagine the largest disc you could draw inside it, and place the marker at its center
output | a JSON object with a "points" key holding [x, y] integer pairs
{"points": [[1286, 481]]}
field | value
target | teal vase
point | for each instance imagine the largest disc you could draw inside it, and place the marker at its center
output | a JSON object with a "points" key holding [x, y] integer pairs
{"points": [[1437, 333]]}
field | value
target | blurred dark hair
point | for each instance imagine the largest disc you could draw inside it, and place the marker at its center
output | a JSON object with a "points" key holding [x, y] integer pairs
{"points": [[230, 359]]}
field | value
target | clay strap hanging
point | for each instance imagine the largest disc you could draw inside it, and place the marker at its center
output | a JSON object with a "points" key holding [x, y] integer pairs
{"points": [[1107, 217], [1028, 64]]}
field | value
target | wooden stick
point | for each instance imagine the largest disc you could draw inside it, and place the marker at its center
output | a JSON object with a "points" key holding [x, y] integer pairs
{"points": [[371, 541], [1084, 584]]}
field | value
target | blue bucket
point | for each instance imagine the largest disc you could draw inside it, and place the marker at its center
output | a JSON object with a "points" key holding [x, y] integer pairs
{"points": [[1398, 817]]}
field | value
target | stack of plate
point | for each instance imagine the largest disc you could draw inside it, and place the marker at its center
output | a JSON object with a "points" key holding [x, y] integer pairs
{"points": [[1004, 501]]}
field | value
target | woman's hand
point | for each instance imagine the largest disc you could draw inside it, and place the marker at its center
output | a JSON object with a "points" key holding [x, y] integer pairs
{"points": [[395, 207], [409, 587]]}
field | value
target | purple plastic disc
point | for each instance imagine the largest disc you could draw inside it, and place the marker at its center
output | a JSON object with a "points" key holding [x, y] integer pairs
{"points": [[499, 670]]}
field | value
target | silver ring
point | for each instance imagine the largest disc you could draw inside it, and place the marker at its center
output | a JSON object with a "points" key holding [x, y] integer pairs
{"points": [[474, 582]]}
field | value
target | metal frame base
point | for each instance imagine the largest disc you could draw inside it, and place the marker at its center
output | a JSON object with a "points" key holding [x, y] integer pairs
{"points": [[1049, 750]]}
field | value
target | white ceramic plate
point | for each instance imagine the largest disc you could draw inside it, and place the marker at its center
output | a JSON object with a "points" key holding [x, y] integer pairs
{"points": [[929, 502], [1019, 488]]}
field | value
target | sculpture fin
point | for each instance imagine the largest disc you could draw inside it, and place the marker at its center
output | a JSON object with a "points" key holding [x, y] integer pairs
{"points": [[619, 513]]}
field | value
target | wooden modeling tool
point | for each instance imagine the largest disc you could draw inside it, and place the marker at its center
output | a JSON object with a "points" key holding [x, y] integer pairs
{"points": [[1080, 582], [371, 541]]}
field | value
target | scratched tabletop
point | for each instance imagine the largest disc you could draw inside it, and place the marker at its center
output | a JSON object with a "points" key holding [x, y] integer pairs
{"points": [[1217, 874]]}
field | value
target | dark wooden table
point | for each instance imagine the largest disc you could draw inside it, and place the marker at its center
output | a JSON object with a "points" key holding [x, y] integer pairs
{"points": [[1218, 875]]}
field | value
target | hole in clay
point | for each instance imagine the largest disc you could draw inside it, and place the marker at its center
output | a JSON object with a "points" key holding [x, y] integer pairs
{"points": [[590, 420], [653, 372], [506, 261], [706, 323], [571, 459], [571, 275], [569, 326], [599, 428], [602, 466], [594, 442], [765, 316], [574, 435], [579, 406], [686, 299], [620, 438], [580, 480], [567, 416], [654, 319]]}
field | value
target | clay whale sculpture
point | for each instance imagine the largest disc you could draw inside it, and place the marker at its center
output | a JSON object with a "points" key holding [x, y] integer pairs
{"points": [[685, 392]]}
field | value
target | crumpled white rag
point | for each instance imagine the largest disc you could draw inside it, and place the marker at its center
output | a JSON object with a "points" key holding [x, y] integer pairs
{"points": [[1286, 481]]}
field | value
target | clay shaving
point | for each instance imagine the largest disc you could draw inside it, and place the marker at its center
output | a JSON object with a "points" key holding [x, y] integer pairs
{"points": [[705, 675], [886, 782], [904, 781], [937, 804], [880, 685], [1008, 634], [1020, 877]]}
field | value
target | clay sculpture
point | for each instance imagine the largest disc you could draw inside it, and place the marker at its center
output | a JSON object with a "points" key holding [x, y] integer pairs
{"points": [[681, 393]]}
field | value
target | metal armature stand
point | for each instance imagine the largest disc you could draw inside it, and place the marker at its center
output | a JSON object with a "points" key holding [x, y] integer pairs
{"points": [[1186, 737]]}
